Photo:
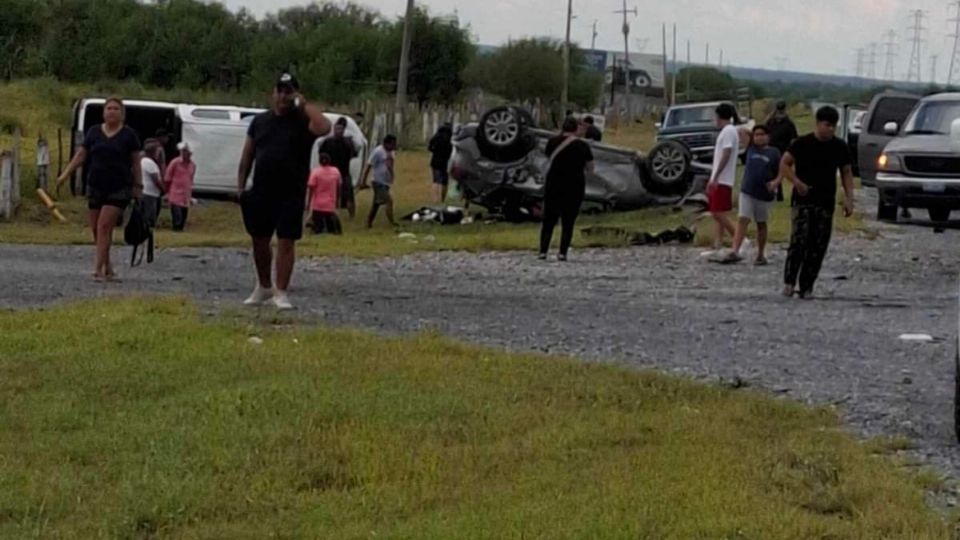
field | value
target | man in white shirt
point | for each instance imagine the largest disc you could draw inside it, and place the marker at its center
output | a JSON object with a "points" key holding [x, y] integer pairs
{"points": [[724, 176]]}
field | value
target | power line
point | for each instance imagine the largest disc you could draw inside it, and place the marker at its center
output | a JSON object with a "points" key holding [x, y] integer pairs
{"points": [[914, 72], [890, 53]]}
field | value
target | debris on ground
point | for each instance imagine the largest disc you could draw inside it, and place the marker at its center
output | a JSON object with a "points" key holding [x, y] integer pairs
{"points": [[443, 215], [680, 235], [920, 338]]}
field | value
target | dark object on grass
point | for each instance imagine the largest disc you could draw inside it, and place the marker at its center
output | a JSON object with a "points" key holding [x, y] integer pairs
{"points": [[680, 235]]}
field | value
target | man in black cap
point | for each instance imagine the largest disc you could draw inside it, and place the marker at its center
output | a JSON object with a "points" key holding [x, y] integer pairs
{"points": [[342, 150], [782, 132], [280, 142]]}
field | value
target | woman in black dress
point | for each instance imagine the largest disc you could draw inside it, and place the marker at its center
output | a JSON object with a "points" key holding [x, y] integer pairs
{"points": [[111, 153], [570, 160]]}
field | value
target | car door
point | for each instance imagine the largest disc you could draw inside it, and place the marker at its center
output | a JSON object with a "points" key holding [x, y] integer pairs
{"points": [[885, 107]]}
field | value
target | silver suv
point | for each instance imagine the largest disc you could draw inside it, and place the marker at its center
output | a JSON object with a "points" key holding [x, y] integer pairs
{"points": [[920, 166]]}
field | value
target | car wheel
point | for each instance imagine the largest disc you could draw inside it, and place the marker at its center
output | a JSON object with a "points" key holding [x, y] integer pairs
{"points": [[502, 134], [642, 80], [885, 211], [668, 166], [501, 127], [939, 215]]}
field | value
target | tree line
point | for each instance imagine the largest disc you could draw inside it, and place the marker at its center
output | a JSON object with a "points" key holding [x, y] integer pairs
{"points": [[339, 51]]}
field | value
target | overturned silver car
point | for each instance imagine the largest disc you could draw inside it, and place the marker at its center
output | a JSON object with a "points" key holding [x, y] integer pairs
{"points": [[500, 164]]}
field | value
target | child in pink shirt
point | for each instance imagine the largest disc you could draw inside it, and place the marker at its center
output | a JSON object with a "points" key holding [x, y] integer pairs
{"points": [[324, 193], [179, 184]]}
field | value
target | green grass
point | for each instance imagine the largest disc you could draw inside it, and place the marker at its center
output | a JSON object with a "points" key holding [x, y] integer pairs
{"points": [[138, 419]]}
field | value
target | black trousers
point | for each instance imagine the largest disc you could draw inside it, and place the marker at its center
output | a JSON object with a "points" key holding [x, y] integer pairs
{"points": [[179, 215], [809, 241], [563, 209]]}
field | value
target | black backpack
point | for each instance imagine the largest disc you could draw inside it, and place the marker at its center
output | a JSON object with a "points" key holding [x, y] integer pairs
{"points": [[138, 232]]}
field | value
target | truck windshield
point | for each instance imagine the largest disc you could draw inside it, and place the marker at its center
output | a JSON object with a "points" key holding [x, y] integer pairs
{"points": [[692, 116], [933, 118]]}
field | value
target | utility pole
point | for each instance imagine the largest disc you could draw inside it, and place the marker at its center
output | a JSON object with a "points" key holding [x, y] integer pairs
{"points": [[673, 82], [626, 55], [721, 59], [955, 54], [405, 58], [706, 60], [890, 52], [565, 93], [593, 41], [933, 68], [689, 66], [860, 59], [666, 93], [914, 72]]}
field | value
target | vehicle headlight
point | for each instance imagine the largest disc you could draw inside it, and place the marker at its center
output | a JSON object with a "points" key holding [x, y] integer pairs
{"points": [[889, 163]]}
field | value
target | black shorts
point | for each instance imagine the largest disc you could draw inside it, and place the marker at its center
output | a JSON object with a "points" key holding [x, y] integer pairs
{"points": [[265, 215], [328, 223], [97, 199]]}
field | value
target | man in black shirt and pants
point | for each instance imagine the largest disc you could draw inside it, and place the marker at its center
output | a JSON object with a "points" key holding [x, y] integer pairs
{"points": [[811, 164], [342, 150], [782, 132], [570, 160], [280, 142]]}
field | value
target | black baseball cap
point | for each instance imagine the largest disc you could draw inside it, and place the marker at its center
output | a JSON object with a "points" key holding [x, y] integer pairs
{"points": [[287, 80]]}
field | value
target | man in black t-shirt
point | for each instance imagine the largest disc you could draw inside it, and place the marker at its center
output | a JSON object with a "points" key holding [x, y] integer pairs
{"points": [[593, 133], [279, 141], [782, 133], [570, 160], [811, 164], [342, 150]]}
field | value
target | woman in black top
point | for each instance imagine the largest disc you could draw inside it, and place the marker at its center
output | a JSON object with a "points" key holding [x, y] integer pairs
{"points": [[111, 153], [570, 160]]}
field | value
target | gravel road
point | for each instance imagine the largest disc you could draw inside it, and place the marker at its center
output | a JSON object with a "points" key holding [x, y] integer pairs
{"points": [[661, 308]]}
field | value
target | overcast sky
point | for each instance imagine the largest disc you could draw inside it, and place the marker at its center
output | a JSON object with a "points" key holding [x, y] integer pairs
{"points": [[821, 36]]}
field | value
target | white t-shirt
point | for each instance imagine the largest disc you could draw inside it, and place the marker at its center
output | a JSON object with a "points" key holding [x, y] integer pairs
{"points": [[150, 169], [728, 138]]}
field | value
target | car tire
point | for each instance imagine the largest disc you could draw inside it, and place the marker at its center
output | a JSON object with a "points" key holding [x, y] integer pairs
{"points": [[939, 215], [503, 134], [886, 212], [668, 169], [642, 80]]}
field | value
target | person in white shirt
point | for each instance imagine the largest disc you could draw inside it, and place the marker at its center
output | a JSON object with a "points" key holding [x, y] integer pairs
{"points": [[152, 181], [43, 162], [724, 176]]}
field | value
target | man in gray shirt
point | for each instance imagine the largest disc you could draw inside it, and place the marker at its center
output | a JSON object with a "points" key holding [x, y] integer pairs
{"points": [[381, 163]]}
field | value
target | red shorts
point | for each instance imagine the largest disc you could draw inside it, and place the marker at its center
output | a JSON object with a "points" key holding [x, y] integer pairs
{"points": [[719, 198]]}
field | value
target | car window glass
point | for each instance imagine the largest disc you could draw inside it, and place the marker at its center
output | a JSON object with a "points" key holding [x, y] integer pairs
{"points": [[211, 114], [695, 116], [891, 109], [933, 118]]}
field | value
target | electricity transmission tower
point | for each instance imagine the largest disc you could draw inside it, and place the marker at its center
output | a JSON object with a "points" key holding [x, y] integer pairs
{"points": [[781, 62], [871, 61], [914, 72], [860, 62], [933, 68], [890, 53], [955, 53]]}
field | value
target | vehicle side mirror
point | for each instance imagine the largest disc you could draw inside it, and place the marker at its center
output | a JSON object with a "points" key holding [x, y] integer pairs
{"points": [[891, 128]]}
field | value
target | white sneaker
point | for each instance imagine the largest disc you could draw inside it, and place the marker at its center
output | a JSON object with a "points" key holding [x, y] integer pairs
{"points": [[259, 297], [745, 248], [282, 301]]}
